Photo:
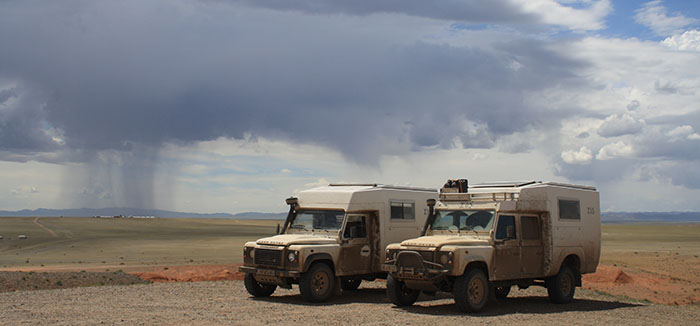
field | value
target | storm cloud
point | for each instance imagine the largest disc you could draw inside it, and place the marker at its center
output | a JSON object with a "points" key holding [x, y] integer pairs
{"points": [[113, 75]]}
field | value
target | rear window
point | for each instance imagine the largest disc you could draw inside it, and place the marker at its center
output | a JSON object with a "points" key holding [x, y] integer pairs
{"points": [[569, 209], [403, 210]]}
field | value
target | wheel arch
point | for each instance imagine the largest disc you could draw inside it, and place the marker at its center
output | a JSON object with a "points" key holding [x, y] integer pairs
{"points": [[573, 261], [319, 257]]}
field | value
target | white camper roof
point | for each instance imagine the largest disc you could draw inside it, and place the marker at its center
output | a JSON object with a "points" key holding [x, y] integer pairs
{"points": [[518, 185], [340, 195]]}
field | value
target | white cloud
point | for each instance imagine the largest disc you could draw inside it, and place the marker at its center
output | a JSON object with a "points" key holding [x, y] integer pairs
{"points": [[582, 156], [620, 124], [688, 41], [615, 150], [590, 17], [653, 15], [682, 132]]}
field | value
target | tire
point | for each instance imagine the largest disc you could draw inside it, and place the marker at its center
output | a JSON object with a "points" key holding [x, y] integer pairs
{"points": [[501, 292], [471, 291], [399, 294], [561, 287], [317, 284], [350, 285], [256, 288]]}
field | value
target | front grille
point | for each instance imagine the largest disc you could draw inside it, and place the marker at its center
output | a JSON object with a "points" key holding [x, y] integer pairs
{"points": [[409, 259], [426, 255], [268, 257]]}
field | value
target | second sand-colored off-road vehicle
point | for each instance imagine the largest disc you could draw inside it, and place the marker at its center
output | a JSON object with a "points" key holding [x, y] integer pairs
{"points": [[479, 241]]}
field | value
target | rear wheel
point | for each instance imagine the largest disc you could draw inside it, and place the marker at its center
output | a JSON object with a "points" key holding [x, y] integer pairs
{"points": [[471, 291], [561, 287], [317, 284], [399, 294], [350, 285], [501, 292], [256, 288]]}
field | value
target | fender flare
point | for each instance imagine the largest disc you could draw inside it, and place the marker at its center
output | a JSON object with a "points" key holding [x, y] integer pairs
{"points": [[316, 257]]}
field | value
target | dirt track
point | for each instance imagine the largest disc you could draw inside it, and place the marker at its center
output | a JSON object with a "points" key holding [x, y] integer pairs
{"points": [[227, 303]]}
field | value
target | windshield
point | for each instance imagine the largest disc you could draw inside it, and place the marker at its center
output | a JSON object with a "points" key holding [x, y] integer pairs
{"points": [[318, 220], [463, 220]]}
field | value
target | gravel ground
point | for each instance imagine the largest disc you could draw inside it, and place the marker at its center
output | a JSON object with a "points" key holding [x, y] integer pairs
{"points": [[20, 281], [227, 303]]}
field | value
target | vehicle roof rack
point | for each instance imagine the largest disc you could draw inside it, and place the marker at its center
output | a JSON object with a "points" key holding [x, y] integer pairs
{"points": [[504, 184]]}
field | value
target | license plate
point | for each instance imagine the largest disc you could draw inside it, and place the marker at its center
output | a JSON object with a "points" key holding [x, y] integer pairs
{"points": [[266, 272], [389, 268]]}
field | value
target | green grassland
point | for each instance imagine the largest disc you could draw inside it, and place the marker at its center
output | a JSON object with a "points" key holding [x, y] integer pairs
{"points": [[91, 242]]}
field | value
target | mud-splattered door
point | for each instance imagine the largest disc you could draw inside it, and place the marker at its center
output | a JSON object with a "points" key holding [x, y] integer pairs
{"points": [[506, 263], [356, 249], [532, 249]]}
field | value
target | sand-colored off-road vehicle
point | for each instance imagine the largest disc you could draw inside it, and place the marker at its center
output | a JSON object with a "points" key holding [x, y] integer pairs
{"points": [[481, 240], [333, 238]]}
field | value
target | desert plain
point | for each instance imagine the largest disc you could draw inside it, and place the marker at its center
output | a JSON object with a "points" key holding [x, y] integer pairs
{"points": [[184, 271]]}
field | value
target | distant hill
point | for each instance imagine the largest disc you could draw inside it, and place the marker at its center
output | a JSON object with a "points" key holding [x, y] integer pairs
{"points": [[651, 217], [259, 216], [610, 217]]}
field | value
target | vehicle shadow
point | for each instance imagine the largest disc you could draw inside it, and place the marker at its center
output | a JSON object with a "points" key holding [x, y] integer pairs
{"points": [[367, 295], [524, 304], [443, 304]]}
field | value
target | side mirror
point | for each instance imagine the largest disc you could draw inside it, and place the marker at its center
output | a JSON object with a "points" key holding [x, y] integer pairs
{"points": [[510, 232]]}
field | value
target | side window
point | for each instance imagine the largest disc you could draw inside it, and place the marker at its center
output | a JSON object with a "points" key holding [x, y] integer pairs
{"points": [[530, 227], [355, 227], [504, 222], [403, 210], [569, 209]]}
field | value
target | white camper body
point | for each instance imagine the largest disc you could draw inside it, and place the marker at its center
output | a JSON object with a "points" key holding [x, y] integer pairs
{"points": [[336, 234]]}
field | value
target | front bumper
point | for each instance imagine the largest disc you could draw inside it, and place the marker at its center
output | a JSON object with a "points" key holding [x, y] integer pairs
{"points": [[269, 272], [411, 265]]}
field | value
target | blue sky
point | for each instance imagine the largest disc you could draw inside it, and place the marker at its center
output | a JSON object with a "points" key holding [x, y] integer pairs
{"points": [[621, 22], [232, 106]]}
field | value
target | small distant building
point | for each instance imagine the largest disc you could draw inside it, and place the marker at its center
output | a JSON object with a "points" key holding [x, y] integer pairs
{"points": [[22, 237], [141, 216], [0, 237]]}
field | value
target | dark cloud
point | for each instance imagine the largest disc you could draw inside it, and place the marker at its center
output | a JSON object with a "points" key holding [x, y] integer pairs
{"points": [[494, 11], [116, 74], [127, 77]]}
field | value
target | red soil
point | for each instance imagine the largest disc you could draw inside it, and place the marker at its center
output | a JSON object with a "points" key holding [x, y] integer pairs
{"points": [[190, 273], [642, 285]]}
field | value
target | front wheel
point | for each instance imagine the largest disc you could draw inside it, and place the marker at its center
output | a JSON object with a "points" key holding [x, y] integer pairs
{"points": [[561, 287], [399, 294], [256, 288], [471, 291], [317, 284]]}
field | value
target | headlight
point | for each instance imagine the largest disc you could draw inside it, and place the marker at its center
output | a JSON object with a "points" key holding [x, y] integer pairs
{"points": [[292, 256], [446, 258], [391, 254], [251, 253]]}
